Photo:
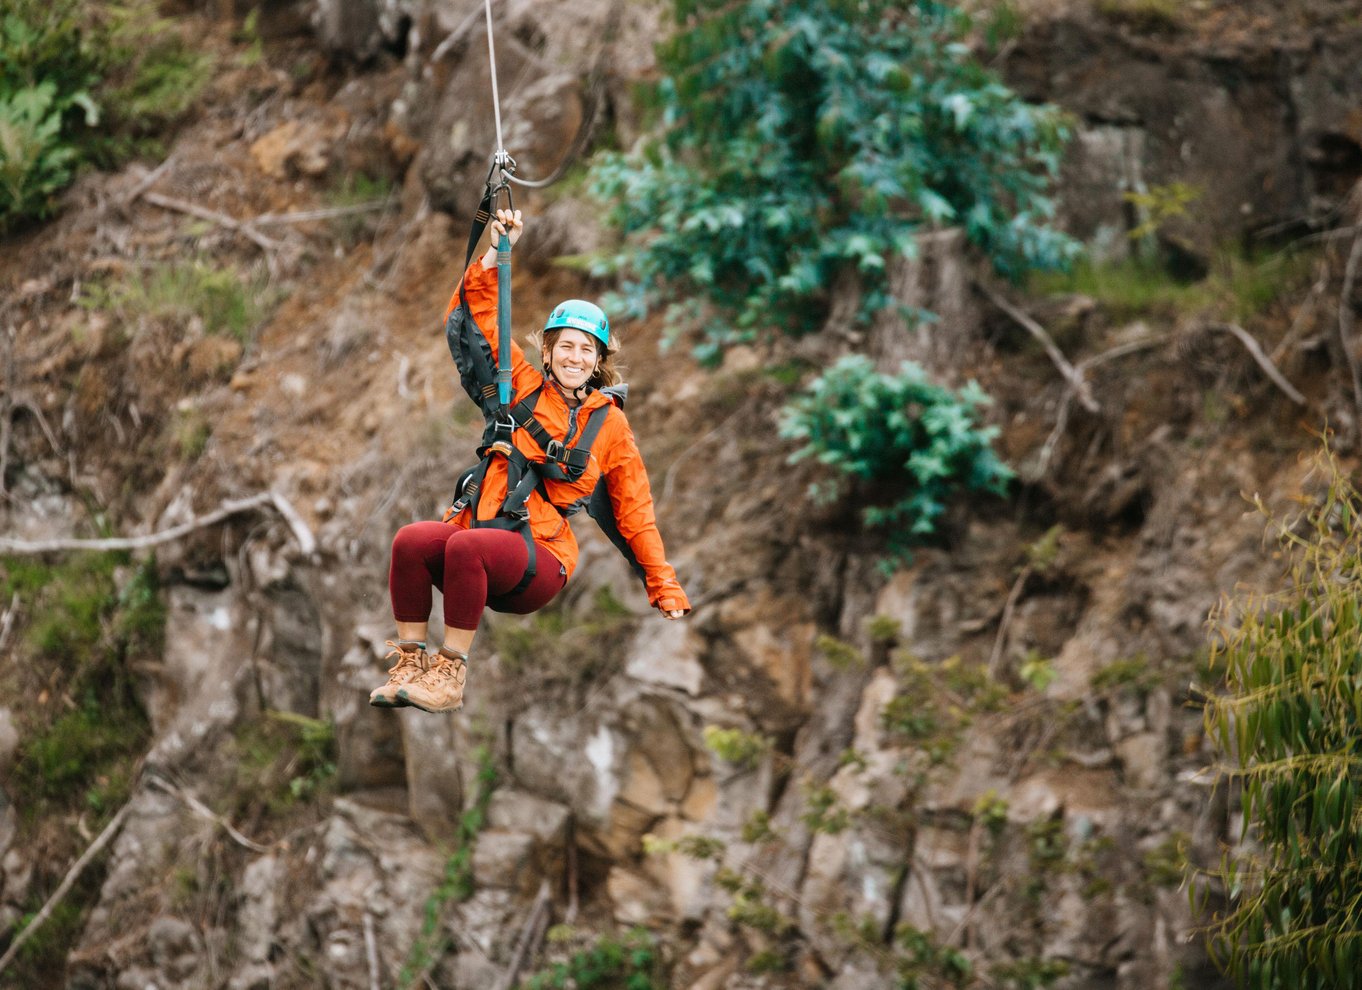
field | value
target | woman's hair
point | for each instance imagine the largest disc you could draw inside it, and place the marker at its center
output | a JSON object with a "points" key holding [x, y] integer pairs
{"points": [[608, 368]]}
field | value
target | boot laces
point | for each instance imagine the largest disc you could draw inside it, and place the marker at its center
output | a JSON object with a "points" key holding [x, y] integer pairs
{"points": [[440, 668], [407, 658]]}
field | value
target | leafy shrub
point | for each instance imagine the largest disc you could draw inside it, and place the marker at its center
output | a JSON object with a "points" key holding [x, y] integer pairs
{"points": [[225, 300], [805, 140], [734, 746], [86, 631], [83, 83], [1291, 721], [608, 963], [921, 438]]}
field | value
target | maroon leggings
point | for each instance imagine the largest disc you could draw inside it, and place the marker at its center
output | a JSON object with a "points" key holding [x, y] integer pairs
{"points": [[473, 568]]}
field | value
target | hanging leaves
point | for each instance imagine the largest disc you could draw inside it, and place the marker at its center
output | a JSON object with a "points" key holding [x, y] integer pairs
{"points": [[801, 139], [1290, 723]]}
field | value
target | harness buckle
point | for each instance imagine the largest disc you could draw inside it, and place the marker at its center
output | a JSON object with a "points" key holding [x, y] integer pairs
{"points": [[554, 450]]}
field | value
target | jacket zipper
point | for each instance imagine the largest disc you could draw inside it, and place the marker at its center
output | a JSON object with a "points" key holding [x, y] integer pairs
{"points": [[572, 425]]}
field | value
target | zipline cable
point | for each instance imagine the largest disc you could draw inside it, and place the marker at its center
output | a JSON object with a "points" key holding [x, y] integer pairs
{"points": [[492, 61]]}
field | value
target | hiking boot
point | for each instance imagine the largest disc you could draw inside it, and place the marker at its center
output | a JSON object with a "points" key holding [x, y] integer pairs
{"points": [[440, 687], [412, 661]]}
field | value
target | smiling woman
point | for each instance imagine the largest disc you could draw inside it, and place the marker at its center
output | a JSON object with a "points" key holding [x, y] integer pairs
{"points": [[562, 443]]}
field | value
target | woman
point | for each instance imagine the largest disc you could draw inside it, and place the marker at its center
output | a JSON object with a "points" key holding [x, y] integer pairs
{"points": [[510, 550]]}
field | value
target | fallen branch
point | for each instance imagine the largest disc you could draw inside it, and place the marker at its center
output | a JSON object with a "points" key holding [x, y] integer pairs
{"points": [[72, 875], [1047, 449], [570, 854], [328, 213], [1013, 597], [371, 950], [307, 543], [203, 811], [1304, 312], [245, 229], [147, 181], [1073, 375], [1264, 362], [7, 620], [530, 934]]}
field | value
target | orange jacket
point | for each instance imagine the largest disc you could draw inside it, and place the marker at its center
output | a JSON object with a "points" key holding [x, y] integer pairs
{"points": [[614, 454]]}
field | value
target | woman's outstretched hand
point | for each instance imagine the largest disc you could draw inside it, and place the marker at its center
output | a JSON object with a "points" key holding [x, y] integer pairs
{"points": [[673, 613]]}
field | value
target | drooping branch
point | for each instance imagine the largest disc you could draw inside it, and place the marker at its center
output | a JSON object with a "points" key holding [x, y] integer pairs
{"points": [[1073, 375], [72, 875], [1265, 362], [205, 812], [307, 543], [530, 934], [244, 228]]}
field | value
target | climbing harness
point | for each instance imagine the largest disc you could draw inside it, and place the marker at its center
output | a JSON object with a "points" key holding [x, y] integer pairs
{"points": [[488, 383]]}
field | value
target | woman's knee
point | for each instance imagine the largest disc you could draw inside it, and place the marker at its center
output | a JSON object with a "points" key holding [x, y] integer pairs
{"points": [[463, 550]]}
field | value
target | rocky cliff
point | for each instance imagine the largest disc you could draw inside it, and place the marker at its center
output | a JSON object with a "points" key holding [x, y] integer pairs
{"points": [[985, 769]]}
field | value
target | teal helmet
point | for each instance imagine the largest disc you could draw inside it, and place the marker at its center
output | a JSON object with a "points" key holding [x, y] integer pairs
{"points": [[580, 315]]}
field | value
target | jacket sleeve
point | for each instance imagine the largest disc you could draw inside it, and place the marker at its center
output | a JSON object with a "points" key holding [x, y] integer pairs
{"points": [[626, 480], [480, 286]]}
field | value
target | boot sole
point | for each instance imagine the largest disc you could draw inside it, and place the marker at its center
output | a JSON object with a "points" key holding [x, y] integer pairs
{"points": [[434, 711], [382, 702]]}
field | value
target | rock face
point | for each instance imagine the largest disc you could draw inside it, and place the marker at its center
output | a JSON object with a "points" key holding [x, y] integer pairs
{"points": [[986, 758], [1263, 125]]}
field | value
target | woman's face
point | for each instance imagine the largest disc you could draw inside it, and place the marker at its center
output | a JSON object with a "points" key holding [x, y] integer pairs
{"points": [[572, 358]]}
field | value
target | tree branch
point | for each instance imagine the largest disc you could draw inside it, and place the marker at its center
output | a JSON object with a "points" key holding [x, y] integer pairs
{"points": [[245, 229], [7, 620], [307, 543], [203, 811], [73, 874], [530, 934], [1265, 362], [1073, 375]]}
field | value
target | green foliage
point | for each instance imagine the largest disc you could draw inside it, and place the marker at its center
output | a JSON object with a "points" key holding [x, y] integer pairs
{"points": [[1159, 204], [556, 647], [457, 884], [283, 759], [1166, 864], [82, 83], [922, 962], [839, 655], [883, 630], [1134, 673], [741, 749], [1042, 555], [1238, 287], [92, 616], [750, 907], [990, 810], [935, 703], [1029, 974], [757, 828], [190, 432], [1291, 722], [824, 812], [924, 441], [1038, 671], [804, 140], [607, 963], [691, 846], [223, 300]]}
